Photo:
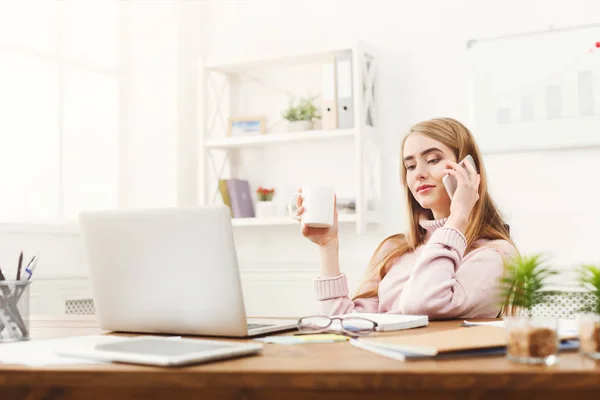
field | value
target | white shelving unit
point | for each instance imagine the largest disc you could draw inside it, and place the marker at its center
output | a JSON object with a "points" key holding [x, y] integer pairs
{"points": [[363, 135]]}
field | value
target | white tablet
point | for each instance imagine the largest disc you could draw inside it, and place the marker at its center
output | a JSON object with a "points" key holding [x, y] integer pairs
{"points": [[163, 351]]}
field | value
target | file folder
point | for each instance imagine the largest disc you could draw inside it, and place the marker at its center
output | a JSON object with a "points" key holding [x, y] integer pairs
{"points": [[345, 101], [328, 96]]}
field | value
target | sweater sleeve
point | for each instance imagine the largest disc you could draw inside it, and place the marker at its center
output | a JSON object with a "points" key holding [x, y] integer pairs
{"points": [[333, 297], [333, 294], [443, 285]]}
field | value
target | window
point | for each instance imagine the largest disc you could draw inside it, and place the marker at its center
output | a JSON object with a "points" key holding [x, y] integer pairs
{"points": [[59, 108]]}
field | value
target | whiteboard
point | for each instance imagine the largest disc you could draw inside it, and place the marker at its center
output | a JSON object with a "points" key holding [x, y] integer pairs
{"points": [[536, 91]]}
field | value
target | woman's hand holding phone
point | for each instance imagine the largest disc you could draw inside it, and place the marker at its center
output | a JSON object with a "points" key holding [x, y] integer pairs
{"points": [[465, 196]]}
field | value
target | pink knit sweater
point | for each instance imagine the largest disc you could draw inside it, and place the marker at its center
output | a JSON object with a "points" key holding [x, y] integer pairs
{"points": [[437, 279]]}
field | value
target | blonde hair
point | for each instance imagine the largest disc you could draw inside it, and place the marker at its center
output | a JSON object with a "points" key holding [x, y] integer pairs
{"points": [[485, 220]]}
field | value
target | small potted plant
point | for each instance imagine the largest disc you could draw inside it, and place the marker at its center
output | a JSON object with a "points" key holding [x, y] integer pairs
{"points": [[589, 320], [531, 340], [265, 206], [301, 114]]}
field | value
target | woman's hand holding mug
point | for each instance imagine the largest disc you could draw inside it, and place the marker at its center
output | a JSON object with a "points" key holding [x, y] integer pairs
{"points": [[317, 212]]}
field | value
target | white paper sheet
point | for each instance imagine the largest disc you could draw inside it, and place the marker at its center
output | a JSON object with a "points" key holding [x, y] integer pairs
{"points": [[42, 352]]}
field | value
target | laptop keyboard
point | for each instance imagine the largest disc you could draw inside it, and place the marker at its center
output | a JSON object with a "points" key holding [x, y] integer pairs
{"points": [[256, 326]]}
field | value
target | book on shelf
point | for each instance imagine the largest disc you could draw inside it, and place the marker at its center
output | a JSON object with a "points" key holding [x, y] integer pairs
{"points": [[225, 194], [240, 198]]}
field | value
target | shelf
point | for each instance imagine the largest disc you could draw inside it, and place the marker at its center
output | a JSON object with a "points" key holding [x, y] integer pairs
{"points": [[362, 144], [275, 138], [277, 60], [241, 222]]}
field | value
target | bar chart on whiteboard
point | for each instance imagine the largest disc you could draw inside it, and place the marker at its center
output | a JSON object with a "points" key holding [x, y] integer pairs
{"points": [[536, 91]]}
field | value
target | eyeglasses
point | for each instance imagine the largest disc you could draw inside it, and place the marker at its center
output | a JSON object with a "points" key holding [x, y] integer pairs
{"points": [[350, 325]]}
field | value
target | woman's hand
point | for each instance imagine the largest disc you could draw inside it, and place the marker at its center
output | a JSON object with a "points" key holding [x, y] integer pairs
{"points": [[465, 196], [323, 237]]}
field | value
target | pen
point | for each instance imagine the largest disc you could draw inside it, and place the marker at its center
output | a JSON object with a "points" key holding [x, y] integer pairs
{"points": [[12, 299], [20, 290], [19, 266], [29, 272], [31, 267]]}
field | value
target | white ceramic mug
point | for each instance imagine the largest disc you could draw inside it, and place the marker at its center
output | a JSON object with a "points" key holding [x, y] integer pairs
{"points": [[318, 203]]}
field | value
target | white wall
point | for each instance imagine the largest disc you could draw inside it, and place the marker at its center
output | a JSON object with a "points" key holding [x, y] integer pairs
{"points": [[151, 120], [422, 74]]}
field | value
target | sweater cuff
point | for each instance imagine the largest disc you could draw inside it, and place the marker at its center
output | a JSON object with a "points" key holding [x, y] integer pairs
{"points": [[331, 287], [450, 237]]}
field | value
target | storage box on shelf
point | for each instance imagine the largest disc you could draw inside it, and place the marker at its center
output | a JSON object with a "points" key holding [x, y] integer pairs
{"points": [[362, 138]]}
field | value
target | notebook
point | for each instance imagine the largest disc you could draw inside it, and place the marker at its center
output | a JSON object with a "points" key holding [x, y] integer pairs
{"points": [[391, 322], [434, 343]]}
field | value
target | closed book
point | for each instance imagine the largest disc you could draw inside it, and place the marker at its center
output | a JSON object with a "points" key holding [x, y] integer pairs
{"points": [[240, 198], [225, 194], [391, 322]]}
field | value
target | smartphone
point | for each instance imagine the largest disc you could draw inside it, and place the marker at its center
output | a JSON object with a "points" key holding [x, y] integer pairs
{"points": [[450, 182]]}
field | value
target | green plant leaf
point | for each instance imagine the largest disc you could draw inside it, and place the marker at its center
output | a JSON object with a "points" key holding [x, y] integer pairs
{"points": [[524, 280], [589, 279], [303, 109]]}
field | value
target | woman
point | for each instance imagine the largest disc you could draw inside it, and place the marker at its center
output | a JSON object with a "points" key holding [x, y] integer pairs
{"points": [[449, 262]]}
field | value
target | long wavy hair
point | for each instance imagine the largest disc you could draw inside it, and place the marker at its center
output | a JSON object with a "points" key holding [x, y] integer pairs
{"points": [[485, 221]]}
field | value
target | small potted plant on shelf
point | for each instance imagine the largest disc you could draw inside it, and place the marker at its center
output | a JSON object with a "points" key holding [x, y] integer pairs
{"points": [[265, 206], [532, 340], [589, 320], [301, 114]]}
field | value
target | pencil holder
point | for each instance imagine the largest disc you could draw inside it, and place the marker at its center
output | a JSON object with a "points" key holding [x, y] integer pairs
{"points": [[14, 310]]}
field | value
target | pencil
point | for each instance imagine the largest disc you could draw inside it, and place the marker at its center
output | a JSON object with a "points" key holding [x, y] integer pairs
{"points": [[20, 266]]}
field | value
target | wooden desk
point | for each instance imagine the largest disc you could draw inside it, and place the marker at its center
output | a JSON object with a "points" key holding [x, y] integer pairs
{"points": [[310, 371]]}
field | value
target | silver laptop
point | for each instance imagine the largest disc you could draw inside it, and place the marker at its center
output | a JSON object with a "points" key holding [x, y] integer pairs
{"points": [[170, 270]]}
